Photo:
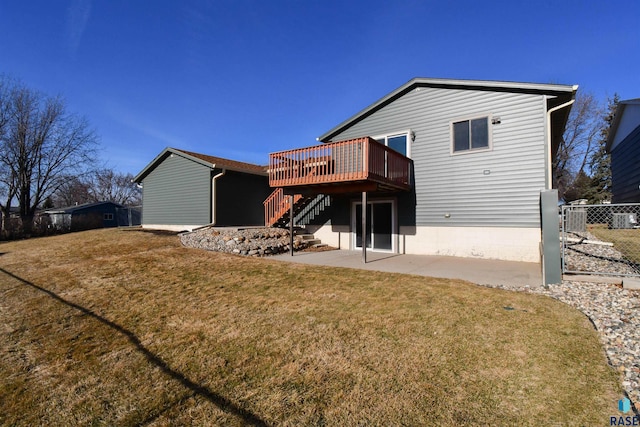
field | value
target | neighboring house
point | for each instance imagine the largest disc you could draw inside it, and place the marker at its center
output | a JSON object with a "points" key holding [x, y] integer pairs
{"points": [[182, 190], [624, 145], [14, 212], [447, 167], [84, 217]]}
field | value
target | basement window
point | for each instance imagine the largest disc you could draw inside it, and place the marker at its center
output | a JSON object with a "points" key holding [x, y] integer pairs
{"points": [[472, 134]]}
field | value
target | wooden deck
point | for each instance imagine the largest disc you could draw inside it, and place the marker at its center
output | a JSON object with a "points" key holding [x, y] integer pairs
{"points": [[345, 166], [351, 166]]}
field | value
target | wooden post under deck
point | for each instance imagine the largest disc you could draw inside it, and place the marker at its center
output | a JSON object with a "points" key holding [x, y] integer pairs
{"points": [[291, 223], [364, 227]]}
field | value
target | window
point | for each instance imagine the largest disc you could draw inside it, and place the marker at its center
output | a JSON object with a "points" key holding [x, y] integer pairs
{"points": [[108, 217], [470, 135], [398, 142]]}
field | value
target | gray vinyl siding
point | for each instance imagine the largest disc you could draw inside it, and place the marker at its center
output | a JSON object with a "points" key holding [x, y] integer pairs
{"points": [[240, 197], [177, 192], [456, 184], [625, 173]]}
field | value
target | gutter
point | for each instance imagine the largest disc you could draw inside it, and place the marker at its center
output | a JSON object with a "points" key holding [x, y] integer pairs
{"points": [[213, 195], [549, 142]]}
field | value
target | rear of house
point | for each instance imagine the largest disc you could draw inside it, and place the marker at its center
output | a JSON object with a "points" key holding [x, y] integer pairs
{"points": [[479, 155]]}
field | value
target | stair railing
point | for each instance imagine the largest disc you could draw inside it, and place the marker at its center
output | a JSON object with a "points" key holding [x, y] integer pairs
{"points": [[277, 205]]}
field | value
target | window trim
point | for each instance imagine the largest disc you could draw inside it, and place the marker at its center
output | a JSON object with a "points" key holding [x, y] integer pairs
{"points": [[489, 147], [406, 133]]}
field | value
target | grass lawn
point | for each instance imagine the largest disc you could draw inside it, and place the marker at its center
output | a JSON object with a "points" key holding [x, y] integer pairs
{"points": [[115, 327], [624, 240]]}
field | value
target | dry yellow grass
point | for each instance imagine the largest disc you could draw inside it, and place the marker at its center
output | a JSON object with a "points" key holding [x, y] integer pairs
{"points": [[626, 241], [116, 327]]}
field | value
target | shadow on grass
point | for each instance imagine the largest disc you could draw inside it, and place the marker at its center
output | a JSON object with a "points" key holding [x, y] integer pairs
{"points": [[198, 389]]}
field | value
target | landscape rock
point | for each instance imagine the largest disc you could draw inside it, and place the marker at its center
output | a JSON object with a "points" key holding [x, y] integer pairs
{"points": [[260, 241], [613, 311]]}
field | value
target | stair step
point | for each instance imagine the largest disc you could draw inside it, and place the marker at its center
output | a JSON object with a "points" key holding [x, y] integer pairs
{"points": [[306, 236], [313, 242], [320, 245]]}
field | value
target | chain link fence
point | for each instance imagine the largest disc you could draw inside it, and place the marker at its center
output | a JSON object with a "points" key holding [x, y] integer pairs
{"points": [[601, 239]]}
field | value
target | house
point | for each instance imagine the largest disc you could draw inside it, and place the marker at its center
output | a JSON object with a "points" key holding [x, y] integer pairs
{"points": [[623, 143], [14, 212], [85, 216], [182, 190], [444, 167]]}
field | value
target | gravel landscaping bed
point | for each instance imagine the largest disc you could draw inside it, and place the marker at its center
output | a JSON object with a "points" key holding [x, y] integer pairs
{"points": [[580, 256], [614, 311]]}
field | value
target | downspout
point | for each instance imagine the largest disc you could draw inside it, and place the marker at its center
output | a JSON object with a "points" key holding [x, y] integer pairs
{"points": [[213, 195], [550, 234], [549, 177]]}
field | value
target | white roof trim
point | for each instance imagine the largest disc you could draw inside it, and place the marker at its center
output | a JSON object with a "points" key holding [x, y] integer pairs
{"points": [[617, 119]]}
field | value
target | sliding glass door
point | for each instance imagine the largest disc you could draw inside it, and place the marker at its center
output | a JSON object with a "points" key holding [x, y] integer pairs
{"points": [[380, 224]]}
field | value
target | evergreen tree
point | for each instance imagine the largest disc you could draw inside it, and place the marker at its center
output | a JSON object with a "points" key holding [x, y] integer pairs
{"points": [[600, 163], [579, 188], [48, 203]]}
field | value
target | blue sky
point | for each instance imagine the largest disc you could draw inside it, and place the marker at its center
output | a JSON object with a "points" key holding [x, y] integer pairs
{"points": [[240, 79]]}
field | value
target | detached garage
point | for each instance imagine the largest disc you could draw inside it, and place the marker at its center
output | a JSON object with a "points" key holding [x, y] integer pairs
{"points": [[182, 190], [84, 217]]}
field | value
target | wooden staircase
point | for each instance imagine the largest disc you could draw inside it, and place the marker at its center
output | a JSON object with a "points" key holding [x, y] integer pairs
{"points": [[277, 207]]}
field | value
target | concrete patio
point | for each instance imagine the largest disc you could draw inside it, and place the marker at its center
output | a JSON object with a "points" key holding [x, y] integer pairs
{"points": [[480, 271]]}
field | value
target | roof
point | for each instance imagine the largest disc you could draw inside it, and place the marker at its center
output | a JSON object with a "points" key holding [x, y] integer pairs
{"points": [[219, 162], [617, 119], [562, 91], [72, 209], [203, 159]]}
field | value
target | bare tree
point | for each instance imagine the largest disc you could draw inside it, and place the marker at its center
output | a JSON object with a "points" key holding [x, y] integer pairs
{"points": [[600, 161], [116, 187], [7, 194], [8, 182], [42, 144], [102, 185], [73, 191], [579, 141]]}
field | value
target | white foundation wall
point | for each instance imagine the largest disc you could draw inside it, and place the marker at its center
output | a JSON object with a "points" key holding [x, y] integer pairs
{"points": [[332, 238], [509, 244], [170, 227]]}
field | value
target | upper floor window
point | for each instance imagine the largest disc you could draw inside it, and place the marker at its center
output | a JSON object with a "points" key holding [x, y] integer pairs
{"points": [[399, 142], [470, 135]]}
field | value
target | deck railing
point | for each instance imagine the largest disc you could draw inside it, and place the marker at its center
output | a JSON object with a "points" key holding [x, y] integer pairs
{"points": [[361, 159]]}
